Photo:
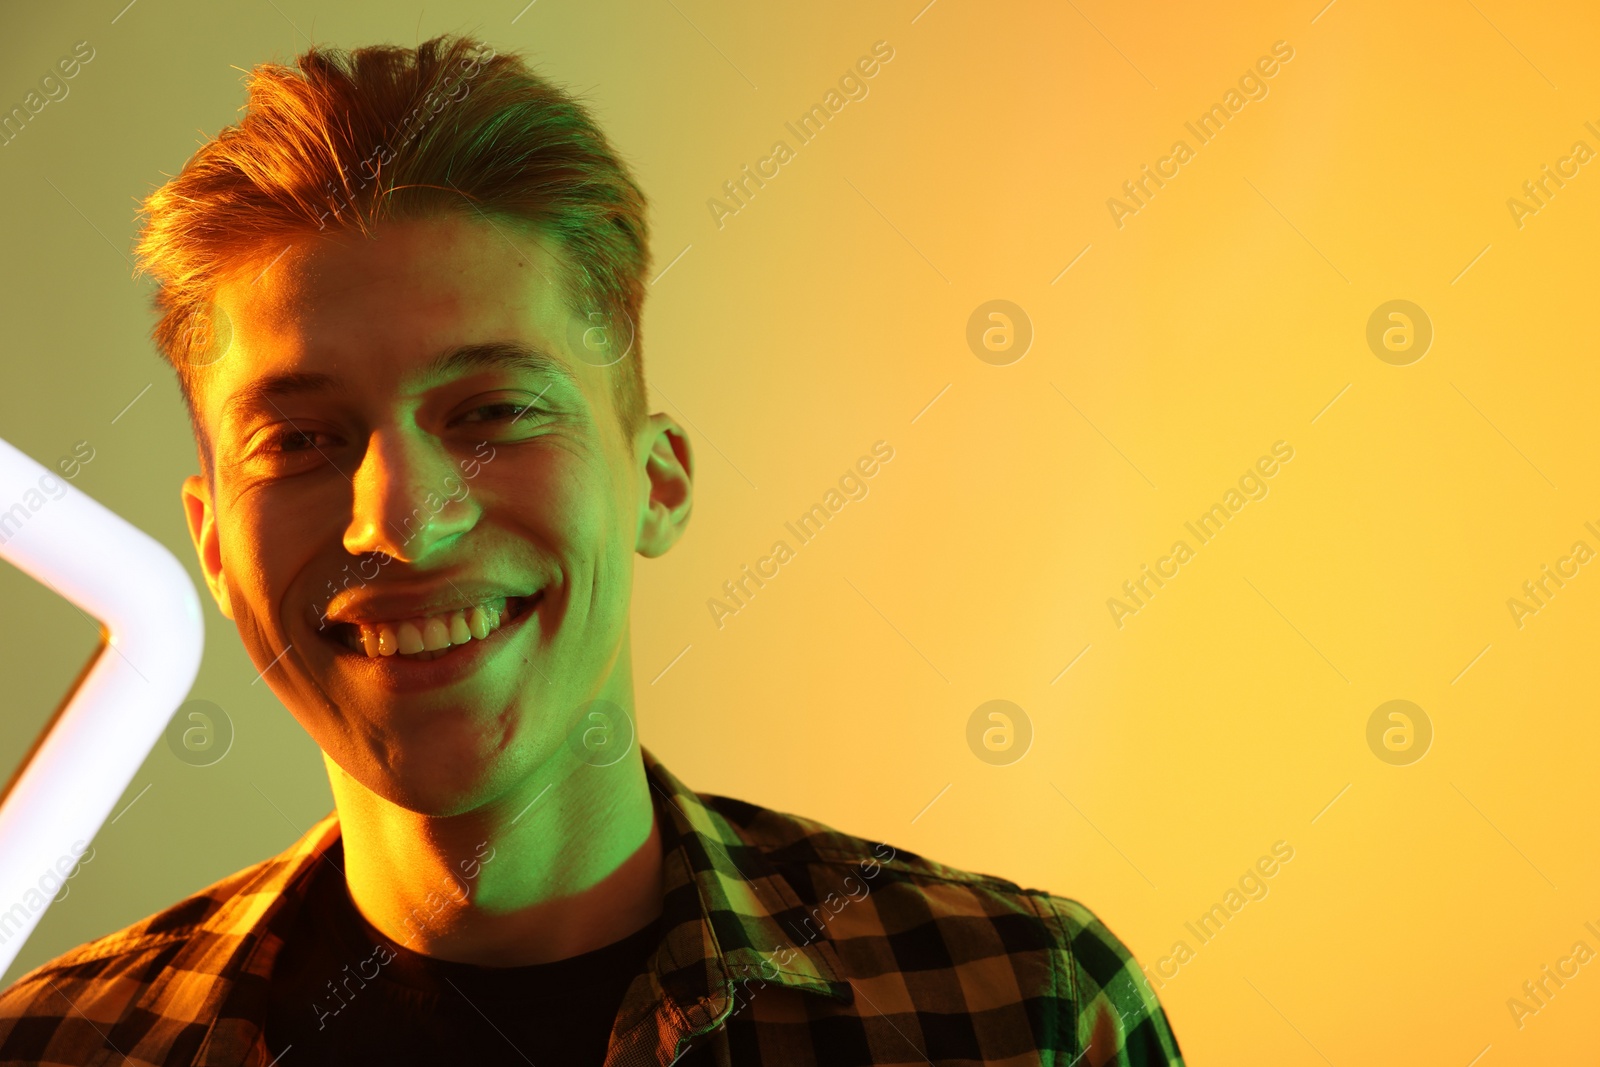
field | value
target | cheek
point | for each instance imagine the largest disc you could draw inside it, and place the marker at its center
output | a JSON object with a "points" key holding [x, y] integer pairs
{"points": [[603, 535], [258, 620], [265, 545], [594, 525], [568, 504]]}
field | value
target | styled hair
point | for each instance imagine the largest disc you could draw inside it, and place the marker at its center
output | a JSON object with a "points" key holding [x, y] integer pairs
{"points": [[343, 141]]}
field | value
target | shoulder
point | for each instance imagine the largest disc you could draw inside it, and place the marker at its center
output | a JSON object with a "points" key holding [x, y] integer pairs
{"points": [[785, 838], [66, 1006], [816, 858], [1116, 1012], [885, 908]]}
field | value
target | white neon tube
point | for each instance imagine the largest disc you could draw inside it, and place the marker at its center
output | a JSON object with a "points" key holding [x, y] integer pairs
{"points": [[152, 636]]}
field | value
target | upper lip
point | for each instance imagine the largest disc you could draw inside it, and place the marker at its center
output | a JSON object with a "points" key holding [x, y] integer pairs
{"points": [[370, 605]]}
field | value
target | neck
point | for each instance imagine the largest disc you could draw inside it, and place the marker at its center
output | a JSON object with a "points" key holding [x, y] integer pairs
{"points": [[569, 862]]}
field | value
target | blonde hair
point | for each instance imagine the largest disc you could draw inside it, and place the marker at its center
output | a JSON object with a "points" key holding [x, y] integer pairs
{"points": [[351, 139]]}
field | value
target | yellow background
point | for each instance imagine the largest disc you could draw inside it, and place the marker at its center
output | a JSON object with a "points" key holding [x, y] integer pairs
{"points": [[826, 314]]}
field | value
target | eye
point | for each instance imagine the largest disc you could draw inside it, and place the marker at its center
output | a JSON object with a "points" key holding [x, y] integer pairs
{"points": [[500, 411], [285, 448], [295, 441]]}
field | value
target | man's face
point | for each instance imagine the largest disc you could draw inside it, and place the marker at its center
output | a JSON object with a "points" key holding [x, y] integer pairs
{"points": [[394, 463]]}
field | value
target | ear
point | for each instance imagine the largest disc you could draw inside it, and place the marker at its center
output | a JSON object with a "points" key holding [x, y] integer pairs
{"points": [[666, 487], [203, 532]]}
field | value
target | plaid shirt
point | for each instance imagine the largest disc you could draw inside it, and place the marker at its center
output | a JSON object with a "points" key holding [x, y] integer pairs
{"points": [[784, 942]]}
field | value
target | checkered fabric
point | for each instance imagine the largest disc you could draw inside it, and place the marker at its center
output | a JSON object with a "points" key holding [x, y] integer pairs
{"points": [[785, 942]]}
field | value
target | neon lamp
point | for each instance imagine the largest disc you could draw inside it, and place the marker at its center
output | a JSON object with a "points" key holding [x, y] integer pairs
{"points": [[151, 637]]}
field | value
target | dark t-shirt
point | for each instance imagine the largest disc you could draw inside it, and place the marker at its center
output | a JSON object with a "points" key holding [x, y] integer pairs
{"points": [[342, 992]]}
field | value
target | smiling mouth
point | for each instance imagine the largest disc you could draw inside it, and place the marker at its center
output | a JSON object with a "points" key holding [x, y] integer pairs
{"points": [[428, 637]]}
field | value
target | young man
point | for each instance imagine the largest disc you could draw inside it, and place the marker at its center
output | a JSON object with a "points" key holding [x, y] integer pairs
{"points": [[402, 298]]}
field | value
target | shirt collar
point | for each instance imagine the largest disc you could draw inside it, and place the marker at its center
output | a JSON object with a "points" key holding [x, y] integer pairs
{"points": [[747, 908], [727, 918]]}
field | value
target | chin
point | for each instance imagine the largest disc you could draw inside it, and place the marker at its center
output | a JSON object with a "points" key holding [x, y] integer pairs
{"points": [[436, 776], [436, 795]]}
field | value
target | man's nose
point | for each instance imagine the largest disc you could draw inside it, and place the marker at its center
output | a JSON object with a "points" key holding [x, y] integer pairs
{"points": [[405, 498]]}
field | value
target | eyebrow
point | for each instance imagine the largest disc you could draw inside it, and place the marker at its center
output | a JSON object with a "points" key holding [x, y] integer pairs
{"points": [[263, 391], [495, 355], [454, 362]]}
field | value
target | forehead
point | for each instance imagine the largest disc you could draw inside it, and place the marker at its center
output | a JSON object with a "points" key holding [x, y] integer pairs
{"points": [[374, 310]]}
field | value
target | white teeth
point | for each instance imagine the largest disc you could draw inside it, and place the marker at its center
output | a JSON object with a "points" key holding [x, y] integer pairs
{"points": [[435, 635], [410, 638], [431, 636]]}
